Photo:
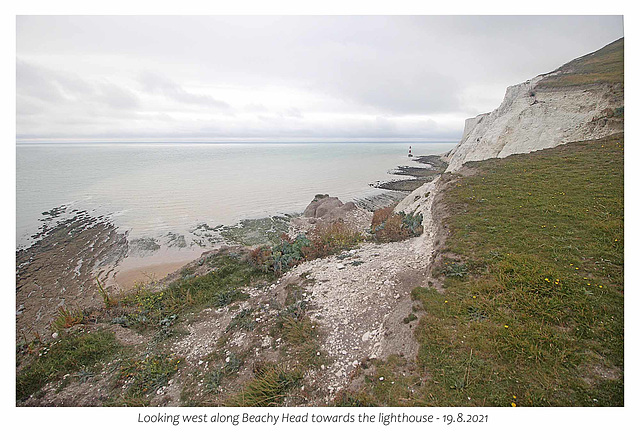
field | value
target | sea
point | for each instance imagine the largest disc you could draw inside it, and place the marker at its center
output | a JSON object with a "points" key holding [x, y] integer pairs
{"points": [[152, 189]]}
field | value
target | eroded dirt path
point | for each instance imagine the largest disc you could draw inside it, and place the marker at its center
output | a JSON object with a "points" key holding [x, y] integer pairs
{"points": [[362, 299]]}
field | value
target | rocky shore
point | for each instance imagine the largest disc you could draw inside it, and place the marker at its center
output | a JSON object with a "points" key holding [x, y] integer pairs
{"points": [[73, 250], [59, 269], [417, 176], [358, 298]]}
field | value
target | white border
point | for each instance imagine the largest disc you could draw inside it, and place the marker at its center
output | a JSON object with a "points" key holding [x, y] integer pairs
{"points": [[53, 423]]}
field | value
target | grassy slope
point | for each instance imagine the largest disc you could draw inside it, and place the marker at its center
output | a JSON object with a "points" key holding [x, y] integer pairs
{"points": [[531, 312], [603, 66], [540, 238]]}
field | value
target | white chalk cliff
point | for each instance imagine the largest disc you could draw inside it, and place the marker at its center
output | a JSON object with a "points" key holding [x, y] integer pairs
{"points": [[582, 100]]}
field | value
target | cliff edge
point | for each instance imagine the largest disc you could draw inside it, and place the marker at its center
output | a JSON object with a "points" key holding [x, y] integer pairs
{"points": [[581, 100]]}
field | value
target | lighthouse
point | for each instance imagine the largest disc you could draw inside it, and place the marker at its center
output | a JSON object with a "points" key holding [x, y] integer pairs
{"points": [[410, 155]]}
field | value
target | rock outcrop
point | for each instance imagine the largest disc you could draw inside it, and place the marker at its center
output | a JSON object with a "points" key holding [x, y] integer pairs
{"points": [[328, 208], [324, 210], [582, 100]]}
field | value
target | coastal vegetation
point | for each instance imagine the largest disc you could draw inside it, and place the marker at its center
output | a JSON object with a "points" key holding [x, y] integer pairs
{"points": [[324, 240], [605, 66], [78, 352], [146, 308], [526, 303], [387, 226]]}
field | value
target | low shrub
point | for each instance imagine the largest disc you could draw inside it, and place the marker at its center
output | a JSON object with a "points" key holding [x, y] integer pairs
{"points": [[260, 258], [288, 253], [387, 226], [325, 240], [331, 239], [66, 318]]}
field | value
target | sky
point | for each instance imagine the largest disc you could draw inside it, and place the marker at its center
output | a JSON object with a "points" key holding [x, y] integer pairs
{"points": [[205, 78]]}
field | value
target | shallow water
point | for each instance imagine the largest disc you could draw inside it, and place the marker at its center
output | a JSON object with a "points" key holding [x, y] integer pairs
{"points": [[151, 189]]}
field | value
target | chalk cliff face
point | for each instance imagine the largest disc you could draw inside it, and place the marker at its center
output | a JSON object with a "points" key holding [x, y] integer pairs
{"points": [[582, 100]]}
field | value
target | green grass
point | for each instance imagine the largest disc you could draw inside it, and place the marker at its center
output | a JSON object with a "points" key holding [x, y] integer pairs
{"points": [[603, 66], [269, 386], [150, 309], [530, 312], [532, 304], [144, 376], [70, 354], [388, 383]]}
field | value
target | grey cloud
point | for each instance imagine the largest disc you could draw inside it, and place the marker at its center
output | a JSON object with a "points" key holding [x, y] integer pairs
{"points": [[375, 69], [154, 83], [117, 97], [38, 83], [59, 88], [293, 112]]}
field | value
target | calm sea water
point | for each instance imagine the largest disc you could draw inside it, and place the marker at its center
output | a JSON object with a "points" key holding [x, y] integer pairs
{"points": [[153, 189]]}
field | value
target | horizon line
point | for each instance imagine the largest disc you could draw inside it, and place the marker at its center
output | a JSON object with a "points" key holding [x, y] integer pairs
{"points": [[235, 141]]}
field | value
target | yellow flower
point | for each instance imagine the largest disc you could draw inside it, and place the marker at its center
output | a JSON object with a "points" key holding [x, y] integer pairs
{"points": [[514, 397], [513, 404], [506, 326]]}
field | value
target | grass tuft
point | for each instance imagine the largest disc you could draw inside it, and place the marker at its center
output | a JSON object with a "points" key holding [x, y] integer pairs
{"points": [[269, 387], [79, 352]]}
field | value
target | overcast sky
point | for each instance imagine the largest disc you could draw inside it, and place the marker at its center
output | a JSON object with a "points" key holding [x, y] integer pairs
{"points": [[208, 78]]}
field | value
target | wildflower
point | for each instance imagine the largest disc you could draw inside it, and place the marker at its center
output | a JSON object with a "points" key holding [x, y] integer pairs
{"points": [[506, 326], [600, 286], [513, 404], [514, 397], [474, 297], [546, 279], [446, 301]]}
